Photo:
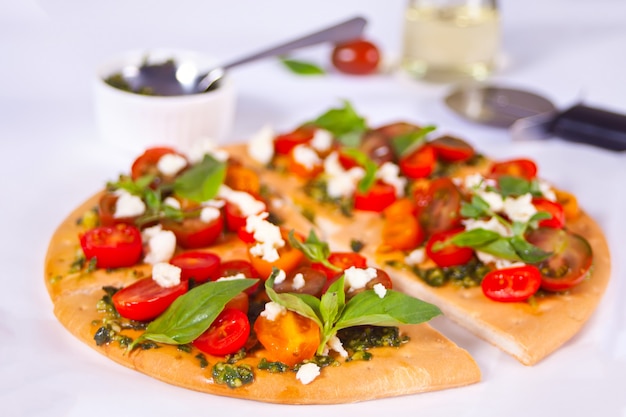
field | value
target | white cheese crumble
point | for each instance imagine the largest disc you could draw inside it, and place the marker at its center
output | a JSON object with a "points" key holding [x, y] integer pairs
{"points": [[335, 344], [233, 277], [389, 173], [206, 146], [272, 310], [322, 140], [492, 224], [495, 200], [209, 214], [306, 156], [380, 290], [172, 202], [267, 236], [261, 145], [415, 257], [546, 190], [298, 281], [341, 183], [520, 208], [166, 275], [171, 164], [280, 277], [307, 373], [247, 204], [161, 244], [359, 277], [128, 205]]}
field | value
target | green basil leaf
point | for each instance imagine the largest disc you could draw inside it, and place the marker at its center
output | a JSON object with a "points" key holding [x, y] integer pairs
{"points": [[395, 308], [202, 181], [137, 187], [405, 144], [333, 303], [192, 313], [513, 186], [528, 252], [370, 168], [502, 248], [533, 222], [344, 123], [475, 238], [303, 304], [152, 198], [301, 67], [477, 208], [313, 248]]}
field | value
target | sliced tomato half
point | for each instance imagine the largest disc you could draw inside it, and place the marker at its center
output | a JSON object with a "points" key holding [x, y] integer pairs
{"points": [[512, 284], [196, 265], [554, 209], [226, 335], [452, 149], [194, 233], [420, 163], [376, 199], [146, 163], [524, 168], [145, 299], [449, 254], [438, 206], [116, 246], [284, 143]]}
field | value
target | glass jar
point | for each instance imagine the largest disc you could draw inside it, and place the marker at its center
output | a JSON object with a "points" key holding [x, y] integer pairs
{"points": [[451, 40]]}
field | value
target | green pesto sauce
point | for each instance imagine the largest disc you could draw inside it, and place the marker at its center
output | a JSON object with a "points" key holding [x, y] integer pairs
{"points": [[232, 375], [360, 339]]}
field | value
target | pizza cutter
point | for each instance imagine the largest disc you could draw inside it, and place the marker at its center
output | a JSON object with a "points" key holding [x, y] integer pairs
{"points": [[529, 115]]}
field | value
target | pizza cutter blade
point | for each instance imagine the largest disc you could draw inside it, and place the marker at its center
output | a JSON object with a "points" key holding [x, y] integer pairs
{"points": [[531, 116]]}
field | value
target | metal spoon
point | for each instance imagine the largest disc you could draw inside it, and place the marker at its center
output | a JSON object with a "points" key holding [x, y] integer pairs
{"points": [[162, 79]]}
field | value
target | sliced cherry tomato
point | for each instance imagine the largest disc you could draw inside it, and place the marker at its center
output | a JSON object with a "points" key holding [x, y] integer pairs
{"points": [[196, 265], [146, 164], [512, 284], [402, 233], [438, 206], [312, 282], [450, 254], [290, 338], [555, 209], [393, 130], [569, 203], [400, 208], [570, 261], [420, 163], [378, 198], [241, 178], [524, 168], [283, 144], [381, 278], [235, 220], [452, 149], [193, 233], [289, 259], [145, 299], [240, 302], [114, 246], [343, 261], [303, 171], [227, 334], [106, 211], [358, 57], [234, 267]]}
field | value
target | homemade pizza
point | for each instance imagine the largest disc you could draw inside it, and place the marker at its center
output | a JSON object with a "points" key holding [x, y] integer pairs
{"points": [[287, 268]]}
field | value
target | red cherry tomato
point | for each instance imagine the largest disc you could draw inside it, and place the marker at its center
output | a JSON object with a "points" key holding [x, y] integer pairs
{"points": [[419, 163], [196, 265], [570, 261], [237, 266], [193, 233], [449, 255], [378, 198], [301, 170], [524, 168], [106, 211], [512, 284], [313, 282], [114, 246], [283, 144], [357, 57], [145, 299], [452, 149], [555, 209], [438, 206], [227, 334], [146, 163], [343, 261], [235, 220]]}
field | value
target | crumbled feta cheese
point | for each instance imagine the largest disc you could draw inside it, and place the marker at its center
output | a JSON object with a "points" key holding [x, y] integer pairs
{"points": [[520, 208], [389, 173], [546, 190], [492, 224], [499, 263], [495, 201], [298, 281], [172, 202], [166, 275], [359, 277], [248, 205], [261, 145], [280, 277], [415, 257], [233, 277], [161, 244], [128, 205], [473, 182], [341, 183], [307, 373], [380, 290], [206, 146], [272, 310], [209, 214], [306, 156], [322, 140], [335, 344], [214, 203], [171, 164], [267, 236]]}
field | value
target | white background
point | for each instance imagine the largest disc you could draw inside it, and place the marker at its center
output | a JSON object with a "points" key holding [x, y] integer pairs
{"points": [[52, 159]]}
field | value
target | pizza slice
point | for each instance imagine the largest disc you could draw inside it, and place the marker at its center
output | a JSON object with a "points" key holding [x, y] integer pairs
{"points": [[501, 251], [191, 270]]}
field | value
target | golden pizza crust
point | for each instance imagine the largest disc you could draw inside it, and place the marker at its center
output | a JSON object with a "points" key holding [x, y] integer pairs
{"points": [[527, 332], [428, 362]]}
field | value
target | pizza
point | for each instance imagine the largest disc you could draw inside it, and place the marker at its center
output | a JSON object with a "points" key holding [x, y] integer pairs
{"points": [[287, 268]]}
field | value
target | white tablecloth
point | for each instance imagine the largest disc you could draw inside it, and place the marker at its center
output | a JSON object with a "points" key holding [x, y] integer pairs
{"points": [[52, 159]]}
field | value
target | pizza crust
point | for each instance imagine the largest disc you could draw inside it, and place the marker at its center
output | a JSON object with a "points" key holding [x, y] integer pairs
{"points": [[428, 362]]}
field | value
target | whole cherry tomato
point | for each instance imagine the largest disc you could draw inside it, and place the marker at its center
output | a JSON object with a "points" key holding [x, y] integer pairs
{"points": [[357, 57], [511, 284], [114, 246], [145, 299], [227, 334]]}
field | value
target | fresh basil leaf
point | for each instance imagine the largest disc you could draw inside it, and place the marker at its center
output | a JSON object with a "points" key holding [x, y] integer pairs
{"points": [[477, 208], [528, 252], [313, 248], [533, 222], [370, 168], [501, 248], [192, 313], [344, 123], [475, 238], [301, 67], [333, 303], [303, 304], [513, 186], [136, 187], [202, 181], [395, 308], [152, 198], [405, 144]]}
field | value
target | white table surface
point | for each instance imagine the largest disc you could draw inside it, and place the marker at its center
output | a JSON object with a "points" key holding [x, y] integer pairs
{"points": [[52, 159]]}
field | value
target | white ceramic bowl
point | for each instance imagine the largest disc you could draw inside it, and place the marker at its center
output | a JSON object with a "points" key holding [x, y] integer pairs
{"points": [[135, 122]]}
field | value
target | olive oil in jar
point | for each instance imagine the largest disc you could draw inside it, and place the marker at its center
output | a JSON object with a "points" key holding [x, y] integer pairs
{"points": [[447, 40]]}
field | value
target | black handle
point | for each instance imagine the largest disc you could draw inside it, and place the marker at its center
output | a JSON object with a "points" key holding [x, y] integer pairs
{"points": [[592, 126]]}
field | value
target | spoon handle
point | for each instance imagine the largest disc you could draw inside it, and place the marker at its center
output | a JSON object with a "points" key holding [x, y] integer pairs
{"points": [[345, 31]]}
